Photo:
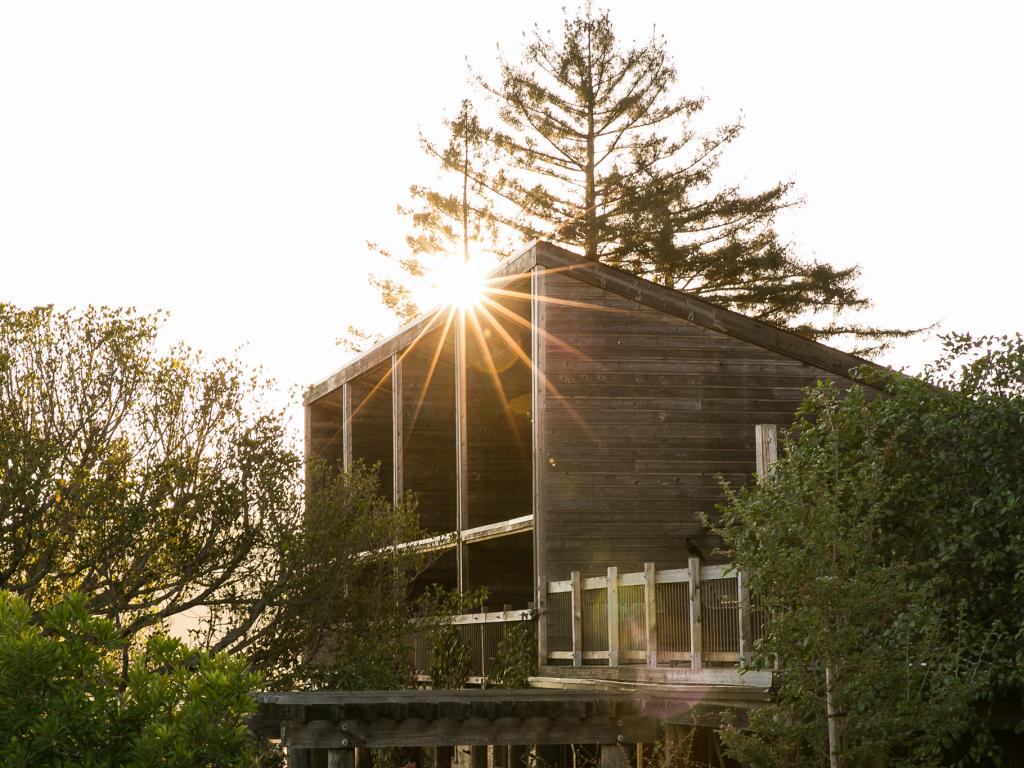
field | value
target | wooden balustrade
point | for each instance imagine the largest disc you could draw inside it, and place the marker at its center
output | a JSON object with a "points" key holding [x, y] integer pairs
{"points": [[482, 633], [693, 616]]}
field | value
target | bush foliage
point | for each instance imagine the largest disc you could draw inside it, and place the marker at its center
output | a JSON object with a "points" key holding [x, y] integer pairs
{"points": [[889, 547]]}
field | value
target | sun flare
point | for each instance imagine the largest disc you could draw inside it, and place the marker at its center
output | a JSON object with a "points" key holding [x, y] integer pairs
{"points": [[460, 284]]}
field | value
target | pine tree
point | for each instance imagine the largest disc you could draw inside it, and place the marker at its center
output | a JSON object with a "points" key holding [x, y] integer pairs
{"points": [[595, 152]]}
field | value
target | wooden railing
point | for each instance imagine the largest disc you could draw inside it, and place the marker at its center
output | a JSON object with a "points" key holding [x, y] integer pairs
{"points": [[482, 633], [695, 616]]}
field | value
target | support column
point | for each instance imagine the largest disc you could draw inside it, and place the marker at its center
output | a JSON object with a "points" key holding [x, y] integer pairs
{"points": [[297, 757], [538, 347], [461, 452], [397, 481], [346, 425], [478, 756]]}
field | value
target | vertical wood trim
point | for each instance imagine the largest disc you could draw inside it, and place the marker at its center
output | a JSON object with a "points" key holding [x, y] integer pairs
{"points": [[613, 616], [746, 630], [766, 448], [537, 357], [341, 758], [397, 480], [307, 439], [346, 426], [478, 755], [651, 615], [577, 619], [461, 452], [696, 630], [614, 756], [517, 756]]}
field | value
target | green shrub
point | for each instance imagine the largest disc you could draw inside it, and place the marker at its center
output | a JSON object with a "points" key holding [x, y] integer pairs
{"points": [[72, 694]]}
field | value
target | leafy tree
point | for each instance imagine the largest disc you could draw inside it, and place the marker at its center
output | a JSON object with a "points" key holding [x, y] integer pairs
{"points": [[63, 701], [155, 484], [889, 549], [344, 617], [595, 151]]}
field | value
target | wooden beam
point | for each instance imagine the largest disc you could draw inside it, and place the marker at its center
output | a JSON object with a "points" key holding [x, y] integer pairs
{"points": [[577, 620], [696, 628], [766, 448], [329, 734], [497, 530], [651, 614], [397, 481], [538, 354], [346, 426], [613, 616]]}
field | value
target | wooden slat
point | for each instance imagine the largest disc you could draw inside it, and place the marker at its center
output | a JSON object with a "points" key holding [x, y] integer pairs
{"points": [[696, 629], [613, 616], [614, 756], [650, 615], [577, 620]]}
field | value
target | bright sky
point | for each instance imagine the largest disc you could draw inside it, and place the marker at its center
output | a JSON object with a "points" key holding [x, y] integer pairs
{"points": [[227, 161]]}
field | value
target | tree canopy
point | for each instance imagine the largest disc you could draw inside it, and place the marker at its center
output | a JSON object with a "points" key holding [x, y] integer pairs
{"points": [[162, 485], [888, 547], [592, 148]]}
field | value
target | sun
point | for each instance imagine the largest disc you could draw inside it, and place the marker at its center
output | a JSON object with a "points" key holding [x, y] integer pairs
{"points": [[459, 283]]}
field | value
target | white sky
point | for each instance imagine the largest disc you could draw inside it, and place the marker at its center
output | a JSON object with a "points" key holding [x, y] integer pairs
{"points": [[227, 161]]}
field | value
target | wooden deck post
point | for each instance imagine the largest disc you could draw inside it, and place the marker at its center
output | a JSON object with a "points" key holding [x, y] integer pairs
{"points": [[696, 630], [613, 616], [396, 428], [577, 620], [341, 758], [297, 757], [478, 756], [651, 615]]}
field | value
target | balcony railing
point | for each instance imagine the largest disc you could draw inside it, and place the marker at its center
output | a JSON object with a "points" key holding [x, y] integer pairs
{"points": [[696, 616], [482, 633]]}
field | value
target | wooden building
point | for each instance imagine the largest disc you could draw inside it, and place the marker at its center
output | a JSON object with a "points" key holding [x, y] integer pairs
{"points": [[564, 436]]}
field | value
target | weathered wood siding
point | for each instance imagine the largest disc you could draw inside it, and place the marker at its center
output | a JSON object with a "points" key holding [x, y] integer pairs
{"points": [[643, 412]]}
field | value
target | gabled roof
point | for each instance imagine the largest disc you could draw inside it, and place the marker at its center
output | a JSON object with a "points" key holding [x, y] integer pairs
{"points": [[650, 294]]}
